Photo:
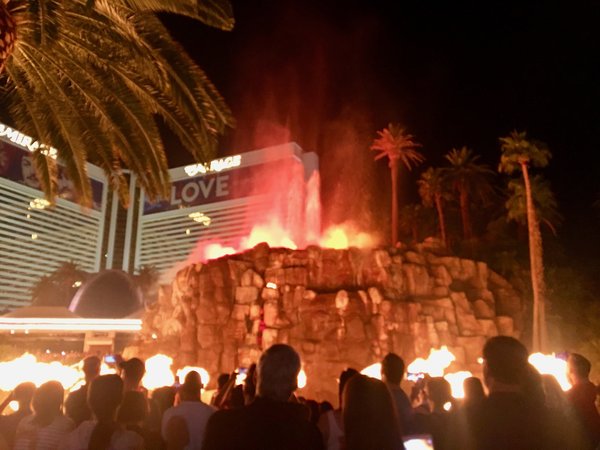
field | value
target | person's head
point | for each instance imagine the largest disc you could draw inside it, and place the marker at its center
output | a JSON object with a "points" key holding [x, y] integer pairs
{"points": [[191, 387], [133, 409], [439, 393], [392, 369], [344, 377], [91, 368], [48, 399], [473, 390], [368, 415], [235, 400], [505, 363], [23, 394], [222, 380], [578, 368], [133, 371], [277, 372], [105, 395]]}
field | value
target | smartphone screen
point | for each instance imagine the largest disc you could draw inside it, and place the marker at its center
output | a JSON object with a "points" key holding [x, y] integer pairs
{"points": [[418, 442], [109, 359]]}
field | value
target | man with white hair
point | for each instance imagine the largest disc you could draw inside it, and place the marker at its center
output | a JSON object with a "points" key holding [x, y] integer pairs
{"points": [[272, 421]]}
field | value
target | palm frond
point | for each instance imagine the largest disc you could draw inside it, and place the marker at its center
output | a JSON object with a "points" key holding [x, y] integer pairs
{"points": [[93, 91]]}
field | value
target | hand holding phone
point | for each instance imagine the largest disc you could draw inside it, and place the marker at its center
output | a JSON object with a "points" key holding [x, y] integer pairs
{"points": [[418, 442]]}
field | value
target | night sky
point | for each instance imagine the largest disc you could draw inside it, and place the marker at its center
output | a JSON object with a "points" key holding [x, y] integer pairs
{"points": [[328, 75]]}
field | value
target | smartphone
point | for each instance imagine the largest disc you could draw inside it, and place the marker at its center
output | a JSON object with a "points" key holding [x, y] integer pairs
{"points": [[418, 442], [110, 359], [414, 377]]}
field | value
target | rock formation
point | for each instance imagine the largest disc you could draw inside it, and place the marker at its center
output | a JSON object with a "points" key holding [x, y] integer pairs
{"points": [[338, 308]]}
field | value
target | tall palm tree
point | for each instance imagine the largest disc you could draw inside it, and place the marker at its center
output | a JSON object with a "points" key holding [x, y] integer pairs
{"points": [[395, 143], [520, 154], [91, 77], [467, 176], [433, 191], [544, 202]]}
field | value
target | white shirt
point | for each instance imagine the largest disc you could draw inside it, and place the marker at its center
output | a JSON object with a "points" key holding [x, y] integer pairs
{"points": [[196, 415], [120, 440], [32, 436]]}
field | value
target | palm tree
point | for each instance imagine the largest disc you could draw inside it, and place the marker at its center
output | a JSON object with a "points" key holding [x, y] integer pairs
{"points": [[399, 147], [521, 153], [433, 191], [59, 287], [467, 176], [147, 280], [91, 77], [544, 202]]}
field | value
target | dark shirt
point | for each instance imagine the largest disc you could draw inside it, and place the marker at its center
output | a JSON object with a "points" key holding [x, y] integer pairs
{"points": [[76, 406], [403, 408], [503, 421], [262, 425], [582, 397]]}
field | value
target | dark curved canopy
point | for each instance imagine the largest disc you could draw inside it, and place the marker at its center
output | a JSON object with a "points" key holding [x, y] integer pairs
{"points": [[109, 294]]}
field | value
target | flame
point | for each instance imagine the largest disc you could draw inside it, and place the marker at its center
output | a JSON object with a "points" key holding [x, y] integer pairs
{"points": [[373, 371], [27, 368], [435, 364], [215, 251], [158, 372], [302, 379], [347, 235], [551, 365], [272, 233], [456, 380]]}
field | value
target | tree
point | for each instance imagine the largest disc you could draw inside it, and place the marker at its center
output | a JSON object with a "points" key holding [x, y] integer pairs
{"points": [[519, 154], [433, 192], [544, 202], [467, 176], [59, 287], [90, 78], [411, 217], [147, 280], [400, 148]]}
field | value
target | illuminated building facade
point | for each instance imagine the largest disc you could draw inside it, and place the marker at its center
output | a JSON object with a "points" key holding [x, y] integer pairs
{"points": [[216, 202], [35, 238], [219, 203]]}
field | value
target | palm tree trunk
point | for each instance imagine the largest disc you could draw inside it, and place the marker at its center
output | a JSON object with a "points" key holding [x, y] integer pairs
{"points": [[464, 214], [394, 170], [539, 338], [440, 211]]}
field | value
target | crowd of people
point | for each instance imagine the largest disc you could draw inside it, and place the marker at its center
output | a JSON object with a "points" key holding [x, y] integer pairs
{"points": [[512, 408]]}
